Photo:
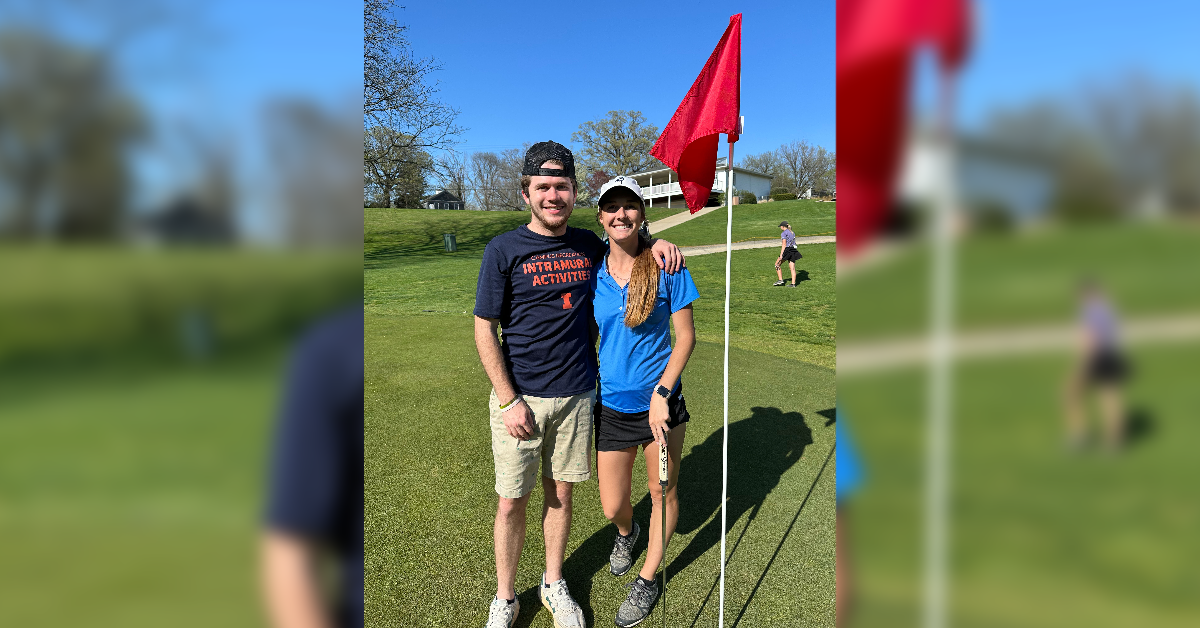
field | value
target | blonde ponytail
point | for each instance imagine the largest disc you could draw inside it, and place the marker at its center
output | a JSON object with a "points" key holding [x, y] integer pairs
{"points": [[643, 286]]}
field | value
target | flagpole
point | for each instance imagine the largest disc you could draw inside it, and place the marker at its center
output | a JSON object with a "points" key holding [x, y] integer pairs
{"points": [[725, 434], [939, 394]]}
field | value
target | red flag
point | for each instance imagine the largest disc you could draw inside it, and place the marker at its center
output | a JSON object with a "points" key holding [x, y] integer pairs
{"points": [[875, 40], [689, 143]]}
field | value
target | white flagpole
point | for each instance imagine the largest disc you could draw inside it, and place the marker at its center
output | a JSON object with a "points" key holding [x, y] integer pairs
{"points": [[941, 320], [725, 434]]}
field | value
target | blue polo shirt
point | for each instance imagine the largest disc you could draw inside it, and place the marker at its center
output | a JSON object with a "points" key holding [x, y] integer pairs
{"points": [[633, 360]]}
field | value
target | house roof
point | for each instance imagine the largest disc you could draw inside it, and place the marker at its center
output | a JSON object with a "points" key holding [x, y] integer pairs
{"points": [[719, 167], [443, 195]]}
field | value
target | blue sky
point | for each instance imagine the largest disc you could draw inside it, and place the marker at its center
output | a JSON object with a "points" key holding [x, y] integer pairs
{"points": [[1026, 49], [527, 72]]}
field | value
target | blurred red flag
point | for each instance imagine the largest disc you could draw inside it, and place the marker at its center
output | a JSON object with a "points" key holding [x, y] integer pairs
{"points": [[875, 40], [689, 143]]}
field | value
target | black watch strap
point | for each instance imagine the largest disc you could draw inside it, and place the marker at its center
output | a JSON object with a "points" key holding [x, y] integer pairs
{"points": [[663, 392]]}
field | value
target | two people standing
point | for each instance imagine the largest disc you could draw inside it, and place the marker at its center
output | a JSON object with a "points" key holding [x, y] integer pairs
{"points": [[537, 283]]}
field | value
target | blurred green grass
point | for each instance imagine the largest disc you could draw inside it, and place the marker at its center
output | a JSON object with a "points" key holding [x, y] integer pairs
{"points": [[756, 222], [60, 302], [134, 492], [131, 474], [430, 499], [1029, 278], [1039, 537]]}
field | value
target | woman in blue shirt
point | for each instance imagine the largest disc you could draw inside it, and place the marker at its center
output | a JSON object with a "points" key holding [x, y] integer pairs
{"points": [[641, 396]]}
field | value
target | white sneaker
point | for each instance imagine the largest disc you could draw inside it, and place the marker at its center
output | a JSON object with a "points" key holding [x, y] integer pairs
{"points": [[561, 605], [502, 614]]}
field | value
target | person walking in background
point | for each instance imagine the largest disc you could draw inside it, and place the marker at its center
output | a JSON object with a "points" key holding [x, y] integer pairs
{"points": [[641, 392], [787, 253], [1101, 366]]}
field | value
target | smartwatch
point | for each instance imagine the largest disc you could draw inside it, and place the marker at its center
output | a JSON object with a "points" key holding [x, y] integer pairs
{"points": [[663, 392]]}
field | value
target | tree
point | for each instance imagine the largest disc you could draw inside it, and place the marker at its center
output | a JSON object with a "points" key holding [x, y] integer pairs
{"points": [[769, 163], [309, 147], [64, 140], [395, 174], [619, 142], [808, 166], [399, 92], [454, 173]]}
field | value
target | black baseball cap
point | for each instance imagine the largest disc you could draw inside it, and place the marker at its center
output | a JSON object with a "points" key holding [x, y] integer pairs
{"points": [[784, 224], [542, 152]]}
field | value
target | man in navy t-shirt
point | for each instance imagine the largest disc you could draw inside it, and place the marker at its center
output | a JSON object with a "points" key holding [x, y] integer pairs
{"points": [[315, 498], [534, 284]]}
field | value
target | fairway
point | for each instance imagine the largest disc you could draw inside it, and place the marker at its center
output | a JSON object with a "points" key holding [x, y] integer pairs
{"points": [[756, 222], [430, 502], [1039, 537], [135, 493]]}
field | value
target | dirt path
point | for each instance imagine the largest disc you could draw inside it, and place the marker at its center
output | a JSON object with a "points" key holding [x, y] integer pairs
{"points": [[706, 249], [886, 354]]}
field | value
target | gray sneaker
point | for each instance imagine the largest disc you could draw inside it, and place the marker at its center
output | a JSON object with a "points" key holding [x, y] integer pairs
{"points": [[637, 606], [502, 614], [621, 557], [562, 606]]}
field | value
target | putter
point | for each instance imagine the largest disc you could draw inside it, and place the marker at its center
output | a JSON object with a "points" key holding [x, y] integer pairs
{"points": [[662, 483]]}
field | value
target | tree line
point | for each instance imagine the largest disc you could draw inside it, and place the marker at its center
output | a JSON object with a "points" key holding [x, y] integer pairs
{"points": [[410, 136]]}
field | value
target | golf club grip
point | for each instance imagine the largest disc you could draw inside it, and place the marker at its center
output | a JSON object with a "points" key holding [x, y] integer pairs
{"points": [[662, 465]]}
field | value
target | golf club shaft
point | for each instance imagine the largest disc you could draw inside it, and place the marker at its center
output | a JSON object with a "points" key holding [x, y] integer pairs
{"points": [[662, 483]]}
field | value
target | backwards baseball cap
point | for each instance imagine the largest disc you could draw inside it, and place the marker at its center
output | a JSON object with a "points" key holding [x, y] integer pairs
{"points": [[542, 152], [626, 183]]}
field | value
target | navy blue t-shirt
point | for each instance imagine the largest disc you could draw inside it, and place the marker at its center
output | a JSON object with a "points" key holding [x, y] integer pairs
{"points": [[316, 486], [538, 287]]}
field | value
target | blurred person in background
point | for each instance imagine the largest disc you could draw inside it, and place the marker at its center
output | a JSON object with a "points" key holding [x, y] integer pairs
{"points": [[1101, 367], [315, 505]]}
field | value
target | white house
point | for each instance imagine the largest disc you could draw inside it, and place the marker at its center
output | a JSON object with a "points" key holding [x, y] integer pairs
{"points": [[661, 186]]}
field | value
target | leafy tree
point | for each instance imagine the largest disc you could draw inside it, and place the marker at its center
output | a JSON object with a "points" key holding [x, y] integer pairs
{"points": [[396, 174], [619, 142], [65, 133]]}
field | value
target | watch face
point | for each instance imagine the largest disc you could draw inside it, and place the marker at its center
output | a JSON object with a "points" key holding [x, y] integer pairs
{"points": [[662, 391]]}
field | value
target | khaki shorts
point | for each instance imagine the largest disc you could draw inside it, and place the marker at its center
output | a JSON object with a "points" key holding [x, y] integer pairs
{"points": [[562, 443]]}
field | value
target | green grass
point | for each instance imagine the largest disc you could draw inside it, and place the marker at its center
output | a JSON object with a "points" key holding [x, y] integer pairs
{"points": [[135, 493], [1039, 537], [796, 323], [1148, 269], [756, 222], [430, 501], [429, 481]]}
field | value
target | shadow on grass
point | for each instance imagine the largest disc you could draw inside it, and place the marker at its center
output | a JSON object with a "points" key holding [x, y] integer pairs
{"points": [[788, 532], [762, 448], [801, 275], [830, 416], [1139, 426]]}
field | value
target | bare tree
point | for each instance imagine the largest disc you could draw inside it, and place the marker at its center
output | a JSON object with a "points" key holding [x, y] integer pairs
{"points": [[399, 92], [620, 142], [770, 163], [310, 147], [808, 165], [454, 173]]}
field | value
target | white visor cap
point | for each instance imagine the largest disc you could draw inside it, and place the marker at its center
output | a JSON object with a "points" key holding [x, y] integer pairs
{"points": [[621, 182]]}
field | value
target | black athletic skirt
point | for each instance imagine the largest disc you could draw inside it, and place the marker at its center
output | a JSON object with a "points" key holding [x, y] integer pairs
{"points": [[790, 254], [1107, 367], [621, 430]]}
